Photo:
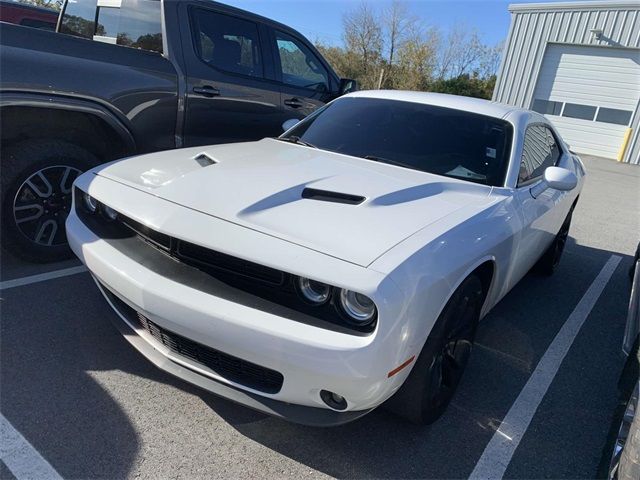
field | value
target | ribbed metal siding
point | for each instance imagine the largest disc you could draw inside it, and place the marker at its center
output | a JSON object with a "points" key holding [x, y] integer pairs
{"points": [[534, 26]]}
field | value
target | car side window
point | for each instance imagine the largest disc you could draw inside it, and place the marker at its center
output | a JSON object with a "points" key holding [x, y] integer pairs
{"points": [[130, 23], [539, 152], [228, 43], [300, 66]]}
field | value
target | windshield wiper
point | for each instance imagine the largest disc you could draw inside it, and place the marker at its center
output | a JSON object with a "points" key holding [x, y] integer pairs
{"points": [[295, 139], [388, 160]]}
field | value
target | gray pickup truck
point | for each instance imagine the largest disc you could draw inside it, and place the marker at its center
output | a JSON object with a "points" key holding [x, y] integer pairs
{"points": [[120, 77]]}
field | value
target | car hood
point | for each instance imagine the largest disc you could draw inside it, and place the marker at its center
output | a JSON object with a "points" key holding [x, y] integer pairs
{"points": [[346, 207]]}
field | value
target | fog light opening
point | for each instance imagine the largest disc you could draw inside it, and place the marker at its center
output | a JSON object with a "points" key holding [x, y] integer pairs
{"points": [[333, 400]]}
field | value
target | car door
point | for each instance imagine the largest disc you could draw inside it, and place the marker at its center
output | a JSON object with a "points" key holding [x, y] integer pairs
{"points": [[541, 216], [306, 82], [232, 94]]}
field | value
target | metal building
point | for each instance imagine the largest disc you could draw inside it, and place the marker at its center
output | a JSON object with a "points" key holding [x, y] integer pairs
{"points": [[579, 64]]}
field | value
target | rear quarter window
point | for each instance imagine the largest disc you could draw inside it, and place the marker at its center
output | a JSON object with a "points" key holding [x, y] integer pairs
{"points": [[227, 43], [129, 23], [539, 152]]}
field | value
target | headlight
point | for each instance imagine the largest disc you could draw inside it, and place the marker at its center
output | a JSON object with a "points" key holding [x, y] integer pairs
{"points": [[90, 203], [109, 213], [314, 292], [359, 308]]}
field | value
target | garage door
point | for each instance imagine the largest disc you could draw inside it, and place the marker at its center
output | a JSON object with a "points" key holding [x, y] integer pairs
{"points": [[590, 94]]}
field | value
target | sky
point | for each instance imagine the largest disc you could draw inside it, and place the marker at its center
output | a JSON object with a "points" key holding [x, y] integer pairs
{"points": [[322, 19]]}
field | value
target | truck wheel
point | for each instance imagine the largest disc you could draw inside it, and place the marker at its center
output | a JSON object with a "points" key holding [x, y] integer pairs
{"points": [[37, 177], [430, 386]]}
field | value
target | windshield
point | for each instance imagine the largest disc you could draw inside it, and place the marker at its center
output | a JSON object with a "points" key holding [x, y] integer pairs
{"points": [[438, 140]]}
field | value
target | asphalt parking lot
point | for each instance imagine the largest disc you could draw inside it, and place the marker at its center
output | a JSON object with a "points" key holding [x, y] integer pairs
{"points": [[94, 408]]}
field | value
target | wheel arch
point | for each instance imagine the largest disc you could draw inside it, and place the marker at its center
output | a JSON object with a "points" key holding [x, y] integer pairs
{"points": [[85, 123], [485, 268]]}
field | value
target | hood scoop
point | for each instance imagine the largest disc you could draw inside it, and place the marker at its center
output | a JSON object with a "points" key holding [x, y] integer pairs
{"points": [[204, 160], [333, 197]]}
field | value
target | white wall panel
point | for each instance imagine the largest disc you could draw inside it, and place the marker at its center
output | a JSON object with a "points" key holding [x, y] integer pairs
{"points": [[535, 26]]}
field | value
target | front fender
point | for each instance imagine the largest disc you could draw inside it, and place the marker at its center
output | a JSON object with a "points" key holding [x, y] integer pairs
{"points": [[117, 121]]}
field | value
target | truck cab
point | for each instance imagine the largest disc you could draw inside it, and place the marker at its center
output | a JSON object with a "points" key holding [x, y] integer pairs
{"points": [[120, 77]]}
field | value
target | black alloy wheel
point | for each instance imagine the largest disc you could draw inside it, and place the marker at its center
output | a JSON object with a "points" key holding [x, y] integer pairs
{"points": [[550, 260], [37, 181], [42, 203], [560, 242], [449, 362], [433, 381]]}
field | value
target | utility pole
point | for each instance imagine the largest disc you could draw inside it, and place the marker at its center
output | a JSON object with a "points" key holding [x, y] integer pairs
{"points": [[381, 78]]}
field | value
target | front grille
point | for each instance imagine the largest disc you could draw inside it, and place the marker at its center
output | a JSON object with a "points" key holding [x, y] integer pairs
{"points": [[227, 366], [156, 239], [208, 259], [203, 258], [276, 287]]}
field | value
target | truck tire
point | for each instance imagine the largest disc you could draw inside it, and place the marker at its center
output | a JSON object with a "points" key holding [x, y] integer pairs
{"points": [[37, 177]]}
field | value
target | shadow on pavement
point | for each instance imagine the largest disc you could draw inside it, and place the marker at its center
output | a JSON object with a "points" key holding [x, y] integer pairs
{"points": [[510, 343], [49, 351]]}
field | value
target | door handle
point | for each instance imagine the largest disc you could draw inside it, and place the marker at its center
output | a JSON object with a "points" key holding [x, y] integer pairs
{"points": [[293, 103], [206, 91]]}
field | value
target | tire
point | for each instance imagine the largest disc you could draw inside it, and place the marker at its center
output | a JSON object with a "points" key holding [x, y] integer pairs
{"points": [[632, 268], [430, 386], [624, 431], [548, 263], [37, 177]]}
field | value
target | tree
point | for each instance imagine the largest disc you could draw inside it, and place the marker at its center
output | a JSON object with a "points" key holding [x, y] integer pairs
{"points": [[416, 60], [490, 61], [466, 85], [363, 42], [346, 64], [411, 56], [399, 25], [52, 4], [460, 52]]}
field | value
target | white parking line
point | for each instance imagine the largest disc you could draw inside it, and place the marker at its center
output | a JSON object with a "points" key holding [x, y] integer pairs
{"points": [[41, 277], [500, 449], [20, 457]]}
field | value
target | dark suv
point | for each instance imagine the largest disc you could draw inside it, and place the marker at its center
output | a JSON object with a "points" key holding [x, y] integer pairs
{"points": [[133, 76]]}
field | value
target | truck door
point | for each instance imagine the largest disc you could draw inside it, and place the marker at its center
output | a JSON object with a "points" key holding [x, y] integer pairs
{"points": [[306, 82], [230, 96]]}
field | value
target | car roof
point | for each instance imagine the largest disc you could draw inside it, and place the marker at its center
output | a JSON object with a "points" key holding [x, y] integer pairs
{"points": [[469, 104]]}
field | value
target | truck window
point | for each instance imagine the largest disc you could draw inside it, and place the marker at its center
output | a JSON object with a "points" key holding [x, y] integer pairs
{"points": [[130, 23], [227, 43], [78, 18], [300, 67]]}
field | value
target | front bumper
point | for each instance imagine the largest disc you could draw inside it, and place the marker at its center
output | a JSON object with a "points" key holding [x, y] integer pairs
{"points": [[194, 305], [317, 417]]}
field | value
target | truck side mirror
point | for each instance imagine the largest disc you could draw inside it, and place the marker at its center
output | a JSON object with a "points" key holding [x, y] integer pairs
{"points": [[348, 85], [289, 124]]}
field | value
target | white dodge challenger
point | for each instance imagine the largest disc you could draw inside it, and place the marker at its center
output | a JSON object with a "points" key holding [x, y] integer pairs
{"points": [[341, 266]]}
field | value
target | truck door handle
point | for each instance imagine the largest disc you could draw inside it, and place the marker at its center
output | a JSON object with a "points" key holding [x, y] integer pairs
{"points": [[293, 103], [206, 91]]}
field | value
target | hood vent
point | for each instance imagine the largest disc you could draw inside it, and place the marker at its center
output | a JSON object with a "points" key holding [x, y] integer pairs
{"points": [[204, 160], [334, 197]]}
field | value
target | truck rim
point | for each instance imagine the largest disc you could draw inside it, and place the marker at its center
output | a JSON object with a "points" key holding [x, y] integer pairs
{"points": [[42, 204]]}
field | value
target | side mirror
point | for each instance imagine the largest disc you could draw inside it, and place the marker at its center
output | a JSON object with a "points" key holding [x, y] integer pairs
{"points": [[556, 178], [289, 124], [347, 85]]}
